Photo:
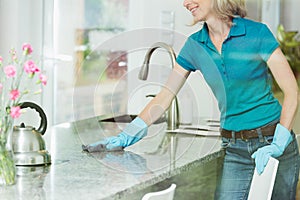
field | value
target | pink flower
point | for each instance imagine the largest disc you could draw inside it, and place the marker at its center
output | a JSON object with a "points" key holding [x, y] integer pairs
{"points": [[15, 111], [27, 49], [10, 71], [1, 60], [14, 94], [43, 79], [30, 67], [1, 87]]}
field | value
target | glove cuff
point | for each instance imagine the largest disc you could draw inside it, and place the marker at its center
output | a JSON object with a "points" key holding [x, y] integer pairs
{"points": [[282, 137], [136, 127], [133, 132]]}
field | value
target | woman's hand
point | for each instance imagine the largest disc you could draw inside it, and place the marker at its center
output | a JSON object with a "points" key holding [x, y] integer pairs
{"points": [[131, 134], [282, 138]]}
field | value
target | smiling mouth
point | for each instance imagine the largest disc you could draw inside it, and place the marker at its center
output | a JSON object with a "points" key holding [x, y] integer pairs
{"points": [[192, 10]]}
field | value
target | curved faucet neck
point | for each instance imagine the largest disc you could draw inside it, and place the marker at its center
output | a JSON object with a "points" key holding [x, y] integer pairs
{"points": [[143, 74]]}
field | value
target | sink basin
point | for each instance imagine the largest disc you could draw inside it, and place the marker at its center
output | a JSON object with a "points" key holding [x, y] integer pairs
{"points": [[120, 118], [127, 118]]}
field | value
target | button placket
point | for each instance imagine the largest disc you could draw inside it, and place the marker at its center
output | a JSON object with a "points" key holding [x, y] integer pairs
{"points": [[225, 73]]}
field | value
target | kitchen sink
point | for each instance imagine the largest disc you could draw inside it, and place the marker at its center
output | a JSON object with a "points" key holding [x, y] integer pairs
{"points": [[127, 118], [120, 118]]}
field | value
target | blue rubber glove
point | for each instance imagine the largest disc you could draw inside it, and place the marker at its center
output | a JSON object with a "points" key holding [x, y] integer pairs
{"points": [[131, 134], [282, 138]]}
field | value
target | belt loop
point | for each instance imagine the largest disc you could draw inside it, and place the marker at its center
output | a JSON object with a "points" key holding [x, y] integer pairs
{"points": [[260, 135], [233, 137]]}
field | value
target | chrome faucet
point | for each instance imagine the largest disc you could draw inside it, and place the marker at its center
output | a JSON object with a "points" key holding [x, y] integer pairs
{"points": [[173, 111]]}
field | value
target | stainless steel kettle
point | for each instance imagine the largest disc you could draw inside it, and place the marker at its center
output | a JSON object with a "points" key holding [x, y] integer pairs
{"points": [[27, 142]]}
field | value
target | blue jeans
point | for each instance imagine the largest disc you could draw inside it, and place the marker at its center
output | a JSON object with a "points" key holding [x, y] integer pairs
{"points": [[238, 168]]}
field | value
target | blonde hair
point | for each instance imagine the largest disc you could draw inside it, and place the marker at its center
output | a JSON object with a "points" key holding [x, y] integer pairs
{"points": [[228, 9]]}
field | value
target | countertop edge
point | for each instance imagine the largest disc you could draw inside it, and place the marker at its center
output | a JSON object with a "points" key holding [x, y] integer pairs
{"points": [[164, 176]]}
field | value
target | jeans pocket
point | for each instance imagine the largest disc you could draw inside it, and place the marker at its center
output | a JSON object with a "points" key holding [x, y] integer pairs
{"points": [[293, 145], [225, 142]]}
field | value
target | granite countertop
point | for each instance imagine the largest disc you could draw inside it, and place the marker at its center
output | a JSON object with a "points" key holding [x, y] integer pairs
{"points": [[74, 174]]}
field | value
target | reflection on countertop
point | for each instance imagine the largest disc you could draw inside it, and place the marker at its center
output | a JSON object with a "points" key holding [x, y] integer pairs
{"points": [[74, 174]]}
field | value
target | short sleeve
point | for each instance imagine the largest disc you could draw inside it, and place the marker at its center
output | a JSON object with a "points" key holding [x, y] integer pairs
{"points": [[268, 43], [185, 56]]}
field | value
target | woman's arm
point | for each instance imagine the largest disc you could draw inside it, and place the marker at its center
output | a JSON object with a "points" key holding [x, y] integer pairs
{"points": [[138, 128], [160, 103], [285, 78], [282, 136]]}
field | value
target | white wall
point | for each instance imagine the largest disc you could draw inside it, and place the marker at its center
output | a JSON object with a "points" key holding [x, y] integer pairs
{"points": [[290, 14], [270, 14], [67, 17], [145, 13], [284, 12], [19, 24]]}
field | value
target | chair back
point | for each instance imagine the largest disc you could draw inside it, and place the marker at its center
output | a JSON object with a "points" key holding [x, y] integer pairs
{"points": [[167, 194]]}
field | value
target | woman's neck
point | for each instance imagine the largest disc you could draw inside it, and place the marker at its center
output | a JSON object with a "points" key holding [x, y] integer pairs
{"points": [[218, 32], [217, 28]]}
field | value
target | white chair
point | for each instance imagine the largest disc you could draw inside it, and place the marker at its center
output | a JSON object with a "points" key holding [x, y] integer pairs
{"points": [[167, 194]]}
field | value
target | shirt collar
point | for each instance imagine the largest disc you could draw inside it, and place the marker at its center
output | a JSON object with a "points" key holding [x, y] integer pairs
{"points": [[237, 29]]}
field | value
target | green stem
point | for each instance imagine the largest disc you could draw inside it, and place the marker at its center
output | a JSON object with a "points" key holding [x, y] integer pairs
{"points": [[7, 167]]}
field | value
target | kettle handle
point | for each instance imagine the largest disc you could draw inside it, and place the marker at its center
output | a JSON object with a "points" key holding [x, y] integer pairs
{"points": [[43, 125]]}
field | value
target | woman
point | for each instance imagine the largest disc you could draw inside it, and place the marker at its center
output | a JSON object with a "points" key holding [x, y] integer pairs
{"points": [[235, 56]]}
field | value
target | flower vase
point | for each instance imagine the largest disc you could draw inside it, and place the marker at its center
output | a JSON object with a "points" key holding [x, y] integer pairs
{"points": [[7, 164]]}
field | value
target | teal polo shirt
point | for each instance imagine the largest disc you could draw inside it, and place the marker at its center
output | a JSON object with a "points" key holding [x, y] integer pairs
{"points": [[238, 76]]}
